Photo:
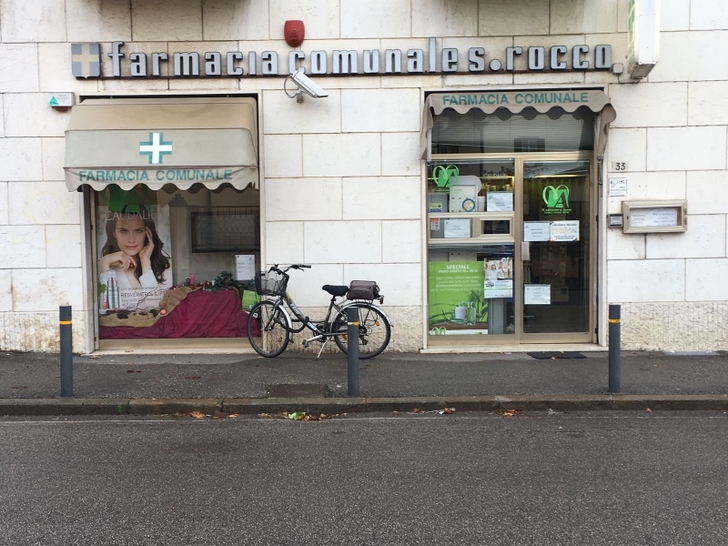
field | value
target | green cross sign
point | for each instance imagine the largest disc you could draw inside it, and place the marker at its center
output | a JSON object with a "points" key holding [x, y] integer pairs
{"points": [[156, 148]]}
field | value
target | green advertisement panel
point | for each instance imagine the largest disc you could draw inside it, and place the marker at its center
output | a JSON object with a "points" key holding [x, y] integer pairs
{"points": [[456, 300]]}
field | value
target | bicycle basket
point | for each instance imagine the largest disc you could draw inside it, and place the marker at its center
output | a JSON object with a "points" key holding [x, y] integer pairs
{"points": [[269, 283]]}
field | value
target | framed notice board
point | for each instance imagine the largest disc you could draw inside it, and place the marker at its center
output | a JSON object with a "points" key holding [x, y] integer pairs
{"points": [[654, 216]]}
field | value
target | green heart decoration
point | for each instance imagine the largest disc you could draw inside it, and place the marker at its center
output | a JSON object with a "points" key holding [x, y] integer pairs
{"points": [[444, 177], [557, 197]]}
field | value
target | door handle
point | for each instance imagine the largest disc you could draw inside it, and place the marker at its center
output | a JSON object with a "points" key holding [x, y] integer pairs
{"points": [[526, 251]]}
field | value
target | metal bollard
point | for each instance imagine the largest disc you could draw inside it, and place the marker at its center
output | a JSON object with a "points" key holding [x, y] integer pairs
{"points": [[66, 351], [352, 350], [614, 347]]}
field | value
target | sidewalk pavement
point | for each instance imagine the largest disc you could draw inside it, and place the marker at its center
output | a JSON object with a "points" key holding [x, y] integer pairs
{"points": [[131, 383]]}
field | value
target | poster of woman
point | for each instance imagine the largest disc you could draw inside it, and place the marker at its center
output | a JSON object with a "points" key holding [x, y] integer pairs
{"points": [[134, 265]]}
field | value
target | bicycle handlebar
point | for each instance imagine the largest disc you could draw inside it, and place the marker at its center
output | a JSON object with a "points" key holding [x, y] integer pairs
{"points": [[277, 269]]}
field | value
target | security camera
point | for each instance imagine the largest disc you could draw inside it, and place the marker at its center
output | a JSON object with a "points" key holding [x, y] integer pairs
{"points": [[305, 85]]}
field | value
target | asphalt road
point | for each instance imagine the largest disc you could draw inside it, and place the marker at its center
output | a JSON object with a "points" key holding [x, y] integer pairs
{"points": [[538, 478]]}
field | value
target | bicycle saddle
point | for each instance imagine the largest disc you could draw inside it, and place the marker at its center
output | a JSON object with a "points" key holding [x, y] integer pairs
{"points": [[335, 290]]}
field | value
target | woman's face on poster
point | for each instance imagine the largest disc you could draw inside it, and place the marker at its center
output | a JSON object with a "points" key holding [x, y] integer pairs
{"points": [[131, 235]]}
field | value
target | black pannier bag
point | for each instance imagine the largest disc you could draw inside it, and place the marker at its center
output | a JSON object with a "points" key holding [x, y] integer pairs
{"points": [[363, 290]]}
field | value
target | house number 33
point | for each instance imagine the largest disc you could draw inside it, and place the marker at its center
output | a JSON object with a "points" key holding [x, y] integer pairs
{"points": [[620, 166]]}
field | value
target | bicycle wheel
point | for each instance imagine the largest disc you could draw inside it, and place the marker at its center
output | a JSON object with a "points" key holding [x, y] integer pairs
{"points": [[270, 324], [374, 330]]}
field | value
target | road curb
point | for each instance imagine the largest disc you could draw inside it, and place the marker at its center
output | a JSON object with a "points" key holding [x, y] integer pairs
{"points": [[317, 405], [64, 406]]}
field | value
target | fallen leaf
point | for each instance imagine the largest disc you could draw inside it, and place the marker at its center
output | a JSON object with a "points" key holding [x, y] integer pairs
{"points": [[508, 412], [446, 411], [197, 415], [648, 410], [417, 410]]}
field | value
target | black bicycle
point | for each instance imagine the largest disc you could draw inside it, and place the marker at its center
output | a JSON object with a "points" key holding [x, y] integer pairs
{"points": [[271, 327]]}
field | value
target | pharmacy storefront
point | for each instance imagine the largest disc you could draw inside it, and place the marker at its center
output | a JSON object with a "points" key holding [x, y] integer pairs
{"points": [[176, 220], [511, 211]]}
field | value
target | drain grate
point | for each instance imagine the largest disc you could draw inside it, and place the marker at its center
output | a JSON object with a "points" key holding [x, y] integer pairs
{"points": [[558, 355], [296, 390]]}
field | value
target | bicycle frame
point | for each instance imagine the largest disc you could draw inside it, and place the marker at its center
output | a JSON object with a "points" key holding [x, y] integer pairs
{"points": [[281, 302]]}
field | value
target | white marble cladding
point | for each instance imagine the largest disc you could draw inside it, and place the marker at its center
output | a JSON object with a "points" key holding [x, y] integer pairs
{"points": [[37, 331], [40, 203], [342, 176], [646, 280], [33, 20], [98, 20], [686, 148], [674, 326], [18, 68], [28, 115], [3, 203]]}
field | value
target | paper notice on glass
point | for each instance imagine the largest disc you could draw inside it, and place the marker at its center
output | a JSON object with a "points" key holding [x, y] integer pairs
{"points": [[564, 231], [537, 294], [657, 217], [457, 227], [536, 231], [244, 267], [498, 201]]}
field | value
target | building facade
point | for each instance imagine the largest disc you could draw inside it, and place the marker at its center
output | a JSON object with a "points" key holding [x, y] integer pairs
{"points": [[504, 171]]}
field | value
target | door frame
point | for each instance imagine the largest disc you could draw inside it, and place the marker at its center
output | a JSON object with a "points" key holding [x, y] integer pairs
{"points": [[518, 337]]}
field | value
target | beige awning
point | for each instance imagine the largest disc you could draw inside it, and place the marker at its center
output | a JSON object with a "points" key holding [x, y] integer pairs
{"points": [[515, 102], [156, 141]]}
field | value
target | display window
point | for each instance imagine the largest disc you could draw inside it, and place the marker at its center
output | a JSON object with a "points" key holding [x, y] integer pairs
{"points": [[175, 263], [511, 237]]}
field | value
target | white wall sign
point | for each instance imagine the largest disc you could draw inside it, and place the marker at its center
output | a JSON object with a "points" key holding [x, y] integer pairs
{"points": [[617, 187], [643, 22]]}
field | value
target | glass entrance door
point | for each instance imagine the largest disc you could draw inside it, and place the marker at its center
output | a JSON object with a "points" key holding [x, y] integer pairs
{"points": [[556, 252]]}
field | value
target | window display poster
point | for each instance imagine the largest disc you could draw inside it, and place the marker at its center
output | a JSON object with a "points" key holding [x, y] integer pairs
{"points": [[134, 264], [456, 293], [498, 278]]}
